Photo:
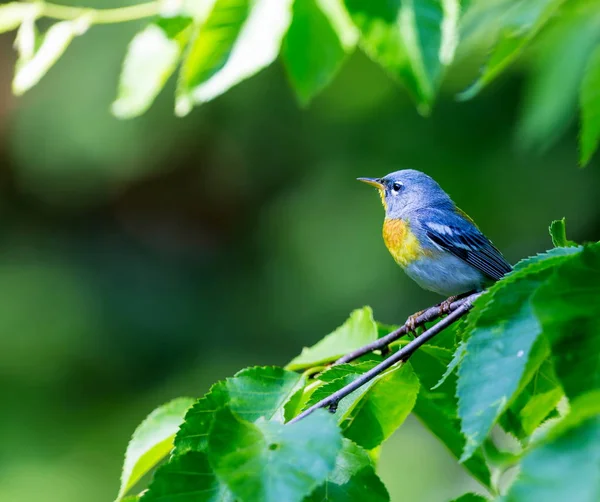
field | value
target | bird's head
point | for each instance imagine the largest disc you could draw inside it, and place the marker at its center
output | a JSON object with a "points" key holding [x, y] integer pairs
{"points": [[407, 190]]}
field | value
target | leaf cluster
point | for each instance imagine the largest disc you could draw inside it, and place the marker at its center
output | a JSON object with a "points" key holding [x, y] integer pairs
{"points": [[515, 386], [213, 45]]}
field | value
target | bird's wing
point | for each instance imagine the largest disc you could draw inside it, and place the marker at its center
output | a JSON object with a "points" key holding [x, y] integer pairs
{"points": [[451, 232]]}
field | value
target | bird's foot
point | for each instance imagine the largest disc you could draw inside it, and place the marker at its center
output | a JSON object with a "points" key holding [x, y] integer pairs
{"points": [[445, 305], [411, 322]]}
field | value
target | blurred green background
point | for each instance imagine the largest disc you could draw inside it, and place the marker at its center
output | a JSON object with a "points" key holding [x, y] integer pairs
{"points": [[143, 260]]}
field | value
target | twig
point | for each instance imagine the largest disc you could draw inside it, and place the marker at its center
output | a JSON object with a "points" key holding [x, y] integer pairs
{"points": [[402, 355], [431, 314], [100, 16]]}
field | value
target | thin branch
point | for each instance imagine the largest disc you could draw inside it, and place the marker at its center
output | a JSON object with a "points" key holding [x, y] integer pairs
{"points": [[431, 314], [402, 355], [100, 16]]}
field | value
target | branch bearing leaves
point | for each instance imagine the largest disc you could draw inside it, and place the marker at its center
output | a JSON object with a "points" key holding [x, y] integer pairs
{"points": [[353, 478], [319, 38], [436, 408], [151, 59], [566, 306], [502, 332], [271, 462], [370, 414], [413, 40], [564, 468], [252, 393], [152, 441], [53, 44], [187, 478], [589, 102], [558, 232], [358, 330], [521, 22], [14, 13], [236, 40]]}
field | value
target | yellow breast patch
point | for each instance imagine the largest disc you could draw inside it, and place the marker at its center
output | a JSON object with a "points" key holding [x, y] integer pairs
{"points": [[401, 242]]}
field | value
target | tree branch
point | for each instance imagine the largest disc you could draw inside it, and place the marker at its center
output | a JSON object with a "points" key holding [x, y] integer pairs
{"points": [[431, 314], [100, 16], [402, 355]]}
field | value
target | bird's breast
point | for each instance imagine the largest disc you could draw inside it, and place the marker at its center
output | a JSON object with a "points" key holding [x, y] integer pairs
{"points": [[402, 244]]}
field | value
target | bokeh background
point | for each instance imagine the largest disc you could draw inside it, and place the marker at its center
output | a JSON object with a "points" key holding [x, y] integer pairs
{"points": [[143, 260]]}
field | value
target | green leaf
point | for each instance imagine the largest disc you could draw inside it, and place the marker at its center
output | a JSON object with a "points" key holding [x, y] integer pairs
{"points": [[187, 478], [152, 441], [437, 409], [14, 13], [558, 233], [358, 330], [353, 479], [252, 393], [565, 468], [567, 306], [589, 102], [271, 462], [413, 40], [471, 497], [502, 330], [236, 40], [538, 408], [53, 45], [316, 44], [521, 22], [370, 414], [151, 59]]}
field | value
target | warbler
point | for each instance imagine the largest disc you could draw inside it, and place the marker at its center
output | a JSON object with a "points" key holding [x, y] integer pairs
{"points": [[436, 243]]}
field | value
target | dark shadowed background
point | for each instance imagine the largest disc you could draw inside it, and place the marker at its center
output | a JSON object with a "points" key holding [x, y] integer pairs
{"points": [[142, 260]]}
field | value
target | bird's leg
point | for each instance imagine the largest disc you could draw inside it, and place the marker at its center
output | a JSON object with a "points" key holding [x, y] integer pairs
{"points": [[411, 322]]}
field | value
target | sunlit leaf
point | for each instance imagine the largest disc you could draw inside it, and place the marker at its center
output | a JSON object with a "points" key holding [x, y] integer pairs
{"points": [[316, 44], [272, 462], [53, 45], [187, 478], [589, 101], [252, 393], [236, 40], [413, 40], [152, 441], [353, 478], [369, 415], [14, 13], [357, 331], [151, 59], [567, 307]]}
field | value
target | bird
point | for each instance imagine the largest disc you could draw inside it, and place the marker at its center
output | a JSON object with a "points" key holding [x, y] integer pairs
{"points": [[437, 244]]}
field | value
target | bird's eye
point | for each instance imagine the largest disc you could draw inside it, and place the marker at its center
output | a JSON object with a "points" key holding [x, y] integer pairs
{"points": [[397, 186]]}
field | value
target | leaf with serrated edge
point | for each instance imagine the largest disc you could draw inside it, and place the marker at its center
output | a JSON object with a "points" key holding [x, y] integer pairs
{"points": [[187, 478], [152, 441], [251, 393], [566, 306], [502, 331], [271, 462]]}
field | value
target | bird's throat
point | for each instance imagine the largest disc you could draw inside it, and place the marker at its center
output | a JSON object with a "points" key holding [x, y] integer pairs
{"points": [[402, 244]]}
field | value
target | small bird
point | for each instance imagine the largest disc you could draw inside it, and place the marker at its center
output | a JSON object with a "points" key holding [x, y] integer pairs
{"points": [[436, 243]]}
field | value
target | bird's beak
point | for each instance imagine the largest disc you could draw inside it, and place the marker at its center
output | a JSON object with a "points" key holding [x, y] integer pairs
{"points": [[376, 182]]}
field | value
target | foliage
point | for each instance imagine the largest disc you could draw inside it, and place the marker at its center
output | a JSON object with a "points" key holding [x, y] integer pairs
{"points": [[528, 346], [218, 43]]}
